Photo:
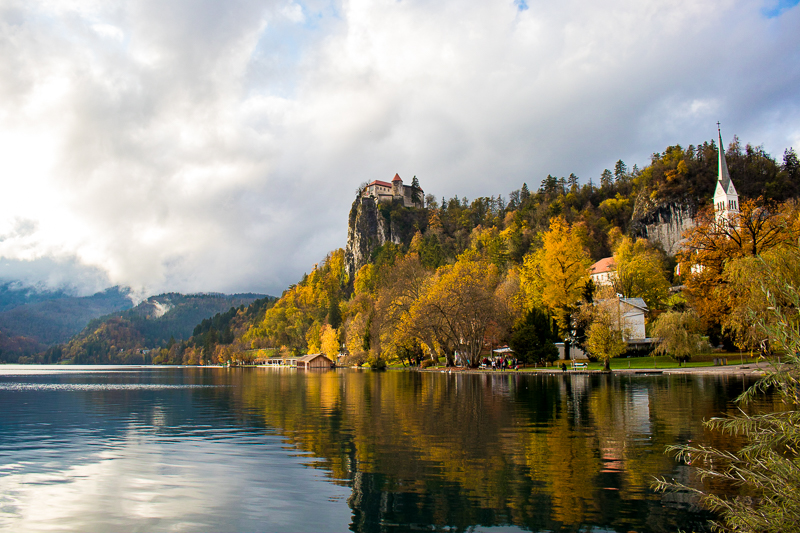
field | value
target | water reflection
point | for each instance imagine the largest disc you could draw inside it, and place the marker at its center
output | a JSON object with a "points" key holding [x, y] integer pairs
{"points": [[272, 449]]}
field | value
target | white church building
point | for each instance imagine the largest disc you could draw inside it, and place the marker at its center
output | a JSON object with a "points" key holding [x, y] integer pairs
{"points": [[726, 199]]}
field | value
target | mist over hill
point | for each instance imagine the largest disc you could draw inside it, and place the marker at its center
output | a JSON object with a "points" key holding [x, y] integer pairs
{"points": [[129, 336], [32, 320]]}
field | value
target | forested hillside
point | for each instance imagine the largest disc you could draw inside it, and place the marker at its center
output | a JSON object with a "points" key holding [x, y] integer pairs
{"points": [[482, 272], [138, 334], [15, 294], [32, 321]]}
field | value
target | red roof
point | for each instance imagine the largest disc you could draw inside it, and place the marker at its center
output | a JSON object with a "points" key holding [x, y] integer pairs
{"points": [[396, 178], [383, 183], [604, 265]]}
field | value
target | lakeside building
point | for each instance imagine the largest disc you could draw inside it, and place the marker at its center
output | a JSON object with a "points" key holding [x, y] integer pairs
{"points": [[630, 316], [306, 362]]}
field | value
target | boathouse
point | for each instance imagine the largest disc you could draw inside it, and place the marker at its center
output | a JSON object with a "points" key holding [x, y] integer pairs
{"points": [[314, 360]]}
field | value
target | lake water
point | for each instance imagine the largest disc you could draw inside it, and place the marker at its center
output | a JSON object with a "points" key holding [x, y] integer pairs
{"points": [[211, 449]]}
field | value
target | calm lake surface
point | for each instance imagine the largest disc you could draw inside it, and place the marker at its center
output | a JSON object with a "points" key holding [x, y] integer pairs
{"points": [[212, 449]]}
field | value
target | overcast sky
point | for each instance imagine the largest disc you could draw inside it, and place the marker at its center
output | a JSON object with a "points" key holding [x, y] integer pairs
{"points": [[204, 145]]}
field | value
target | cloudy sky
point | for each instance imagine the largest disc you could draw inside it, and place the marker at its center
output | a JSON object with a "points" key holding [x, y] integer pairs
{"points": [[215, 145]]}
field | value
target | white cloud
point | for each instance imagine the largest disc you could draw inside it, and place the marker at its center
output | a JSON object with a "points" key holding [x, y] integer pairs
{"points": [[216, 146], [294, 13], [108, 31], [133, 480]]}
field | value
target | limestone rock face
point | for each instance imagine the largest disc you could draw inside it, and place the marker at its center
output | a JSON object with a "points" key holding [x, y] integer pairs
{"points": [[367, 231], [372, 224], [663, 223]]}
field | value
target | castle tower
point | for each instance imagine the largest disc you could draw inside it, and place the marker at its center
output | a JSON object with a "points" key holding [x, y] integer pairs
{"points": [[726, 199], [397, 186]]}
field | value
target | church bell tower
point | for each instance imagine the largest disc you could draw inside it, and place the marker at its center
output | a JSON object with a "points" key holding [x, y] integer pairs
{"points": [[726, 199]]}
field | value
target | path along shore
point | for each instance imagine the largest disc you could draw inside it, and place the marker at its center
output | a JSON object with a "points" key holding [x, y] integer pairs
{"points": [[750, 369]]}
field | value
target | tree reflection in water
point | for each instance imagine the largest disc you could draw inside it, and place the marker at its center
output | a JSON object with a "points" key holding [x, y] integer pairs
{"points": [[543, 453]]}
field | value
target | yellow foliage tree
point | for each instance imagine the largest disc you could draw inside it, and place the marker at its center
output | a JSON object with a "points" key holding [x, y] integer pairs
{"points": [[330, 342], [640, 272], [458, 306], [365, 280], [357, 329], [555, 275], [751, 279], [679, 335], [604, 339], [313, 338], [402, 290]]}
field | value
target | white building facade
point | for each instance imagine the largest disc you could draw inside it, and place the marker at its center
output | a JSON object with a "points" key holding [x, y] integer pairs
{"points": [[726, 199]]}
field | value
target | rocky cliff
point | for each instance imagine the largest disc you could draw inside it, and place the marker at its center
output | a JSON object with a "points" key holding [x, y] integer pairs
{"points": [[372, 224], [663, 222]]}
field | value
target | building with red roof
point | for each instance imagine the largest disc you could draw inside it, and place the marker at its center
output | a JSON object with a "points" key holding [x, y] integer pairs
{"points": [[603, 272], [383, 191]]}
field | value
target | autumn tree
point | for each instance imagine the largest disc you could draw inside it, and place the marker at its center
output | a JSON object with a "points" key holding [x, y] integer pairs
{"points": [[640, 272], [329, 342], [360, 311], [711, 244], [491, 243], [750, 280], [402, 289], [458, 306], [605, 335], [555, 275], [679, 335]]}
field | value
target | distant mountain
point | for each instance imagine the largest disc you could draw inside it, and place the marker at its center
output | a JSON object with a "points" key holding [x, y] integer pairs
{"points": [[13, 294], [128, 336], [32, 320]]}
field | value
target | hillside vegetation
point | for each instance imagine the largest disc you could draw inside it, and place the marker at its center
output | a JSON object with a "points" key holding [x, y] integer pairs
{"points": [[32, 320], [138, 334], [470, 274], [476, 273]]}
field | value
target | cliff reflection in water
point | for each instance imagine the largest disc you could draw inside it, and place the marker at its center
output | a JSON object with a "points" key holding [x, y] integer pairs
{"points": [[542, 453]]}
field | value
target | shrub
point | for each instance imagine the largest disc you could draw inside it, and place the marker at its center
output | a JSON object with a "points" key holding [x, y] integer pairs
{"points": [[767, 469]]}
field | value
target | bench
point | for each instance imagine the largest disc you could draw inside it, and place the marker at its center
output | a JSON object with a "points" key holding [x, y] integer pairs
{"points": [[579, 366]]}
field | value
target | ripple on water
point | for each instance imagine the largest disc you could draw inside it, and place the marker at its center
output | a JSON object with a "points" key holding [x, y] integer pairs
{"points": [[39, 387]]}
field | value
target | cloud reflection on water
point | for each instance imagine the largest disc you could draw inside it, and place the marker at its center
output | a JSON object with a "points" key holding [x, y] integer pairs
{"points": [[143, 481]]}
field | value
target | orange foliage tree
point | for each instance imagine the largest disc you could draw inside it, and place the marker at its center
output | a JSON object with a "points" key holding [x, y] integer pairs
{"points": [[712, 244]]}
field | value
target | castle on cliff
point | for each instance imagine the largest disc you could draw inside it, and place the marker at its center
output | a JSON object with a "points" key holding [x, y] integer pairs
{"points": [[383, 191]]}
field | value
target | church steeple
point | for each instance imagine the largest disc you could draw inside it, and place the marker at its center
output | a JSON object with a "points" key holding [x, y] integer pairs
{"points": [[722, 176], [726, 199]]}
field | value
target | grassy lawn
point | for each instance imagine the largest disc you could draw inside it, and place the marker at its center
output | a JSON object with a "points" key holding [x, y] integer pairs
{"points": [[664, 362], [644, 363]]}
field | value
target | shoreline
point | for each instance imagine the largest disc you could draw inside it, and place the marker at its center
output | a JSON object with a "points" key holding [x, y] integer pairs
{"points": [[749, 369]]}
